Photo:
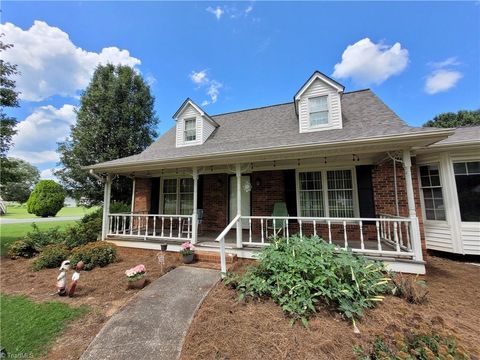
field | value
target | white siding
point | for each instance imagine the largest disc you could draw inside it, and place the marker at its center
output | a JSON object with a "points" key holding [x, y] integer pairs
{"points": [[438, 236], [204, 127], [319, 88], [470, 233]]}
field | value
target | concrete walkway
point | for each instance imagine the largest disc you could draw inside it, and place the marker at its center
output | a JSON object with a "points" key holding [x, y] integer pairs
{"points": [[153, 325], [38, 220]]}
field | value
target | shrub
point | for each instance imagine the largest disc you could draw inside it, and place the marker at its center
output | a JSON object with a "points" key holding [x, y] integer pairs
{"points": [[41, 238], [301, 273], [46, 199], [21, 248], [421, 344], [118, 207], [94, 254], [83, 233], [51, 257], [410, 288]]}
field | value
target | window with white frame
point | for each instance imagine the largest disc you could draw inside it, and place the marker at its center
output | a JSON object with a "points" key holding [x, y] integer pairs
{"points": [[311, 194], [177, 196], [467, 179], [190, 132], [326, 193], [318, 110], [432, 192], [340, 193]]}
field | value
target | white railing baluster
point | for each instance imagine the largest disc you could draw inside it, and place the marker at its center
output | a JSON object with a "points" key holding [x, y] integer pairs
{"points": [[188, 229], [274, 228], [124, 224], [146, 226], [314, 228], [154, 225], [300, 225], [131, 225], [179, 227], [171, 227], [261, 225], [250, 230], [139, 225], [345, 233], [163, 225], [362, 245], [389, 234], [379, 242], [329, 232], [288, 231], [407, 231], [400, 230], [395, 235]]}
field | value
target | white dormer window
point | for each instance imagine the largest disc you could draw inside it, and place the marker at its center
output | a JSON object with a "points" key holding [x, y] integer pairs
{"points": [[318, 110], [190, 132]]}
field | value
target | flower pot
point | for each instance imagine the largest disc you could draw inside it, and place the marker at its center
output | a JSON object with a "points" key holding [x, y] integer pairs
{"points": [[163, 247], [137, 284], [187, 259]]}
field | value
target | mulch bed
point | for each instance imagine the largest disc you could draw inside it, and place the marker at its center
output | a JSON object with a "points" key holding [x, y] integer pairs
{"points": [[103, 289], [225, 328]]}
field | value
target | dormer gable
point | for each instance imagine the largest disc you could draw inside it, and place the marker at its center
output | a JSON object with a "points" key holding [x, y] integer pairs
{"points": [[193, 125], [318, 104]]}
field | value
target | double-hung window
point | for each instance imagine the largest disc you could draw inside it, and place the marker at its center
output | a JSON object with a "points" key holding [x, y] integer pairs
{"points": [[326, 193], [318, 110], [190, 132], [178, 196], [432, 192], [467, 178]]}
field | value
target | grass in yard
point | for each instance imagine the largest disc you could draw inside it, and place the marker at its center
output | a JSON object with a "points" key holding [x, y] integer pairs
{"points": [[20, 212], [12, 232], [28, 327]]}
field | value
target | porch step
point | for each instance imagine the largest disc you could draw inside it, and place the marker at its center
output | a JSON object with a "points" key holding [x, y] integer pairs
{"points": [[214, 257]]}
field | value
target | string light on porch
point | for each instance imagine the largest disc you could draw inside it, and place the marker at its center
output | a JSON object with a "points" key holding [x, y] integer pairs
{"points": [[324, 159], [355, 157]]}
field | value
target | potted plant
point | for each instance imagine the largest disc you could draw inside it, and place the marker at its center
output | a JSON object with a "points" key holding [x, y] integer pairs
{"points": [[136, 277], [187, 252], [163, 247]]}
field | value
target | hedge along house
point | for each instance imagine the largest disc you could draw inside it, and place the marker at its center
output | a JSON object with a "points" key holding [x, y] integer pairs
{"points": [[332, 163]]}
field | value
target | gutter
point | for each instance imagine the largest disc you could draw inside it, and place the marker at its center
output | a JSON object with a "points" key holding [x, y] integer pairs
{"points": [[95, 175]]}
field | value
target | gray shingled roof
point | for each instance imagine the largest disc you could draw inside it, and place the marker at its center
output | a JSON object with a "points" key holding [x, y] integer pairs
{"points": [[462, 135], [364, 116]]}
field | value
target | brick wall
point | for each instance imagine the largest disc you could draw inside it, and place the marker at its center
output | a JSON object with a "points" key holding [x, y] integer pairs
{"points": [[142, 195], [215, 202]]}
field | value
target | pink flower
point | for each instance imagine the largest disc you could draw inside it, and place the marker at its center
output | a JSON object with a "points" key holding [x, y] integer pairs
{"points": [[187, 246], [139, 269]]}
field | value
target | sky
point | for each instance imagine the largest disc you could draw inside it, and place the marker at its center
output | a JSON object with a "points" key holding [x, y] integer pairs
{"points": [[420, 58]]}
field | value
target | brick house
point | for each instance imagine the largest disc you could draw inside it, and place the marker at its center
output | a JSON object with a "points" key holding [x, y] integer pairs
{"points": [[341, 165]]}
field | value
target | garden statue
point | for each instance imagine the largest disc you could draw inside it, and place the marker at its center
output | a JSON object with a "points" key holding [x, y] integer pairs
{"points": [[75, 278], [62, 278]]}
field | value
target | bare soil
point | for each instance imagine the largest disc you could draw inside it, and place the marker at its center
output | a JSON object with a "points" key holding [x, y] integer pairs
{"points": [[224, 328], [104, 290]]}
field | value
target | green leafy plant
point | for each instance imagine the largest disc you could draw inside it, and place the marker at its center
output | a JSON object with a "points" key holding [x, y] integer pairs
{"points": [[21, 248], [41, 238], [422, 343], [83, 232], [303, 272], [51, 257], [94, 254], [46, 199]]}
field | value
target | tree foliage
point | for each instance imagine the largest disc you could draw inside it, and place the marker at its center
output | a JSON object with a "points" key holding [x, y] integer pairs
{"points": [[115, 119], [18, 179], [450, 119], [8, 98], [46, 199]]}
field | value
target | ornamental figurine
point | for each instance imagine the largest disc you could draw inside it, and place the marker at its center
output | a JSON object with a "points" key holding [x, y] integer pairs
{"points": [[75, 278], [62, 278]]}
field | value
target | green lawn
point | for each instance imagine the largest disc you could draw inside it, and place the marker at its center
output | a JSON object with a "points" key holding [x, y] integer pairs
{"points": [[27, 328], [20, 212], [11, 232]]}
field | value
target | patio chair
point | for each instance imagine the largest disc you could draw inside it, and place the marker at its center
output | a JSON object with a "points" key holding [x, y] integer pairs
{"points": [[186, 229], [279, 209]]}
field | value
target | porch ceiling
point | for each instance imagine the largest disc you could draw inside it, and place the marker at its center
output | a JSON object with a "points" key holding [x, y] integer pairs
{"points": [[370, 151]]}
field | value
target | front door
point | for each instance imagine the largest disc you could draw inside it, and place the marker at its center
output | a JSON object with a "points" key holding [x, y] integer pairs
{"points": [[246, 189]]}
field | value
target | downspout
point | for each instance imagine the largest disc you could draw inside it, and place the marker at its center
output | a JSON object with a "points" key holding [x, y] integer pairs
{"points": [[95, 175], [395, 182]]}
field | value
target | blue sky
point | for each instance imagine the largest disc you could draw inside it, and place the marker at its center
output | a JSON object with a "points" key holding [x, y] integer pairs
{"points": [[420, 58]]}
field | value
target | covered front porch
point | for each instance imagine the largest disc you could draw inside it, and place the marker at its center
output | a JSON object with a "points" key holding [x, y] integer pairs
{"points": [[363, 201]]}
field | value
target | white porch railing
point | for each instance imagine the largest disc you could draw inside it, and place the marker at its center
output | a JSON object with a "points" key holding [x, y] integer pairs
{"points": [[221, 239], [151, 226]]}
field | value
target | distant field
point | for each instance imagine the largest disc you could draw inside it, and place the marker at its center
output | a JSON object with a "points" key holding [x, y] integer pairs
{"points": [[20, 212], [11, 232]]}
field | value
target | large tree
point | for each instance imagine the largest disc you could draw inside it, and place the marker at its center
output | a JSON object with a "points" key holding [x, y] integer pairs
{"points": [[18, 181], [450, 119], [115, 119], [8, 98]]}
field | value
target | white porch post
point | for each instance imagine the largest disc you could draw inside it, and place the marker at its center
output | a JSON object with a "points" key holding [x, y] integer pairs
{"points": [[415, 227], [195, 205], [239, 204], [132, 210], [106, 205]]}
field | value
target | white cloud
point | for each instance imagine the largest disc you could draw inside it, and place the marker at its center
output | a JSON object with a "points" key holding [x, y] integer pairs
{"points": [[248, 9], [47, 174], [201, 79], [218, 12], [369, 63], [51, 64], [442, 77], [441, 80], [37, 136]]}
